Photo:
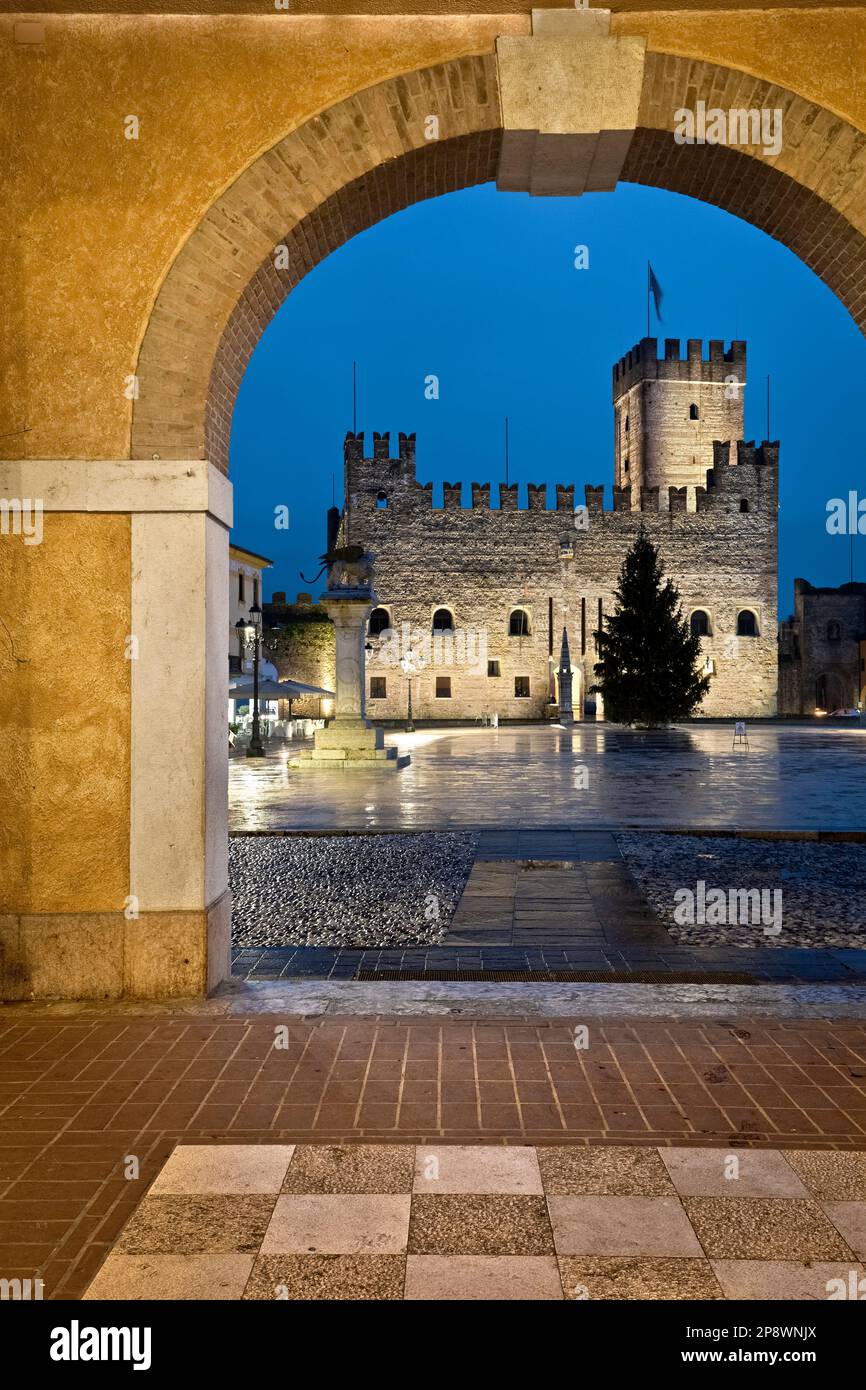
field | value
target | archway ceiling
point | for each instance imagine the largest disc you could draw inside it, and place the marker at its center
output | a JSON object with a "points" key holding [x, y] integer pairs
{"points": [[367, 157]]}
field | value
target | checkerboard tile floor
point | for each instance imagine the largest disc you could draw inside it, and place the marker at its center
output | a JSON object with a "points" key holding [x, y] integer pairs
{"points": [[398, 1221]]}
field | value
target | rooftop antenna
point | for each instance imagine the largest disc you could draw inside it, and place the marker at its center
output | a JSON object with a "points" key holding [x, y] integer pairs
{"points": [[354, 398], [333, 489], [506, 451], [768, 435]]}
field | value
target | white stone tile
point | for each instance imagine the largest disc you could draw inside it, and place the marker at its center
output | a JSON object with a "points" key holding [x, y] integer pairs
{"points": [[482, 1277], [144, 1277], [761, 1173], [320, 1224], [622, 1226], [480, 1168], [200, 1169]]}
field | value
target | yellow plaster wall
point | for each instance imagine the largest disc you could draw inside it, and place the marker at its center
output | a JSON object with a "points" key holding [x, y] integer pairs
{"points": [[94, 220], [820, 53], [65, 611]]}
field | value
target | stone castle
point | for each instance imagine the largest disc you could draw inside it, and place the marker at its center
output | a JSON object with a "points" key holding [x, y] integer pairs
{"points": [[483, 593]]}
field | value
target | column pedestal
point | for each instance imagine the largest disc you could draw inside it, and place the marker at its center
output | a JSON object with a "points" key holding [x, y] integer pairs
{"points": [[349, 743]]}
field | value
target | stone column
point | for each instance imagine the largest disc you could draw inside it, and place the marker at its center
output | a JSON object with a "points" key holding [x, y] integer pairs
{"points": [[113, 737], [349, 742]]}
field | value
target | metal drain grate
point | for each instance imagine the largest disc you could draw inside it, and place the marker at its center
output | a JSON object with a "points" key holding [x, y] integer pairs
{"points": [[567, 977]]}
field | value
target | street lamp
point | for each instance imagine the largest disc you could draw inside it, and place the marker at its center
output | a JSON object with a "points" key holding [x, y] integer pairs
{"points": [[411, 664], [250, 634]]}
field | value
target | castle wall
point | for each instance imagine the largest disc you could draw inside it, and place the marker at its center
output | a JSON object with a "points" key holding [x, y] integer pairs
{"points": [[808, 652], [481, 563]]}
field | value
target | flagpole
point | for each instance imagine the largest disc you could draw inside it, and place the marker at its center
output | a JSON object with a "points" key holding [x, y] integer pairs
{"points": [[647, 298]]}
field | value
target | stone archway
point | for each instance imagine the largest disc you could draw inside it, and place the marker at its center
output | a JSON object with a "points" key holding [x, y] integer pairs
{"points": [[369, 156]]}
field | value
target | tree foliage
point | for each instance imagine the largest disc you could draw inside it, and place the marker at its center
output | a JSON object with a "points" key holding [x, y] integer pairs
{"points": [[647, 669]]}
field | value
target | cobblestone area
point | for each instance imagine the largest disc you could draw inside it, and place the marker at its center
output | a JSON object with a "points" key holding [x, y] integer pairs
{"points": [[821, 887], [353, 890]]}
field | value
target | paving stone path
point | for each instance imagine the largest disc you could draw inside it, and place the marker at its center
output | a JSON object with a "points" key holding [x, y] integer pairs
{"points": [[431, 1222]]}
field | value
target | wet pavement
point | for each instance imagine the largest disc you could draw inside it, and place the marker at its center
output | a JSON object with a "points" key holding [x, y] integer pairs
{"points": [[791, 777]]}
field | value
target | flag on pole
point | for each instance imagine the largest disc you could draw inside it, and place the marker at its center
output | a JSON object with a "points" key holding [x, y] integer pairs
{"points": [[652, 288]]}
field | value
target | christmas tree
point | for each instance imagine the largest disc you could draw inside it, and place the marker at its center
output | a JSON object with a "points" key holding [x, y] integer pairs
{"points": [[647, 669]]}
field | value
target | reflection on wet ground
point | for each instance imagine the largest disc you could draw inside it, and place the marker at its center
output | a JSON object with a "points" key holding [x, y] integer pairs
{"points": [[791, 777]]}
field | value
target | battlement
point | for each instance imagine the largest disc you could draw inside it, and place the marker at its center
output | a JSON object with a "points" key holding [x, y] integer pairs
{"points": [[763, 455], [353, 449], [737, 468], [643, 363]]}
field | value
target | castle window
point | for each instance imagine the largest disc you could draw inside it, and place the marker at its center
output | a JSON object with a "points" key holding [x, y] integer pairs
{"points": [[493, 668], [625, 466], [834, 631], [626, 424], [518, 623], [747, 623], [744, 504], [693, 411], [240, 586], [380, 621], [377, 687], [700, 623], [443, 687], [443, 620], [521, 687], [381, 500]]}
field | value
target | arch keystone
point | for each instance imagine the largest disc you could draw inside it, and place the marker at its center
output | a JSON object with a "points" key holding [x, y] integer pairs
{"points": [[570, 97]]}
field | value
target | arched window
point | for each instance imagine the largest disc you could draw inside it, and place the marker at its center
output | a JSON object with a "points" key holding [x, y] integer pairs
{"points": [[834, 631], [518, 623], [693, 411], [744, 504], [747, 623], [380, 621], [443, 620], [700, 623], [381, 500]]}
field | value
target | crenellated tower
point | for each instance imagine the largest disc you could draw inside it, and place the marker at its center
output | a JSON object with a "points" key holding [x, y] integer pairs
{"points": [[669, 411]]}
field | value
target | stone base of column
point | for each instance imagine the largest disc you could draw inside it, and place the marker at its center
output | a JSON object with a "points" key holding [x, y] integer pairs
{"points": [[102, 955], [349, 745]]}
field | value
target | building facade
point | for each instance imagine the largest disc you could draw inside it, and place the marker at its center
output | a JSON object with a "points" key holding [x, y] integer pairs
{"points": [[822, 650], [473, 599], [245, 588]]}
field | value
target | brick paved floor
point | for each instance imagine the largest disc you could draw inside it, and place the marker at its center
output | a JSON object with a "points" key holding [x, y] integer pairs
{"points": [[80, 1096], [395, 1221]]}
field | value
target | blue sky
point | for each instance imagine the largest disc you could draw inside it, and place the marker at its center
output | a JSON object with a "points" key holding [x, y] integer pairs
{"points": [[479, 288]]}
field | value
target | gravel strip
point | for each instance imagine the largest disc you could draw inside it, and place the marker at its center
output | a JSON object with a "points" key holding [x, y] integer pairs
{"points": [[357, 890], [822, 902]]}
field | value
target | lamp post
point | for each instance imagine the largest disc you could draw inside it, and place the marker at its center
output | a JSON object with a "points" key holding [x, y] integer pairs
{"points": [[255, 749], [411, 664], [250, 634]]}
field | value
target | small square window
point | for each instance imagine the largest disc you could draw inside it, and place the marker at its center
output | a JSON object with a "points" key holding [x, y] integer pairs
{"points": [[377, 687], [521, 687], [443, 687], [493, 668]]}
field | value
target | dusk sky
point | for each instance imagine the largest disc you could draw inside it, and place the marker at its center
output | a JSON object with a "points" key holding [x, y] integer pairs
{"points": [[480, 289]]}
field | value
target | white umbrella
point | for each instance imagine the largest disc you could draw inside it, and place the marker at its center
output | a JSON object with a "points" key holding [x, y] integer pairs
{"points": [[276, 690]]}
